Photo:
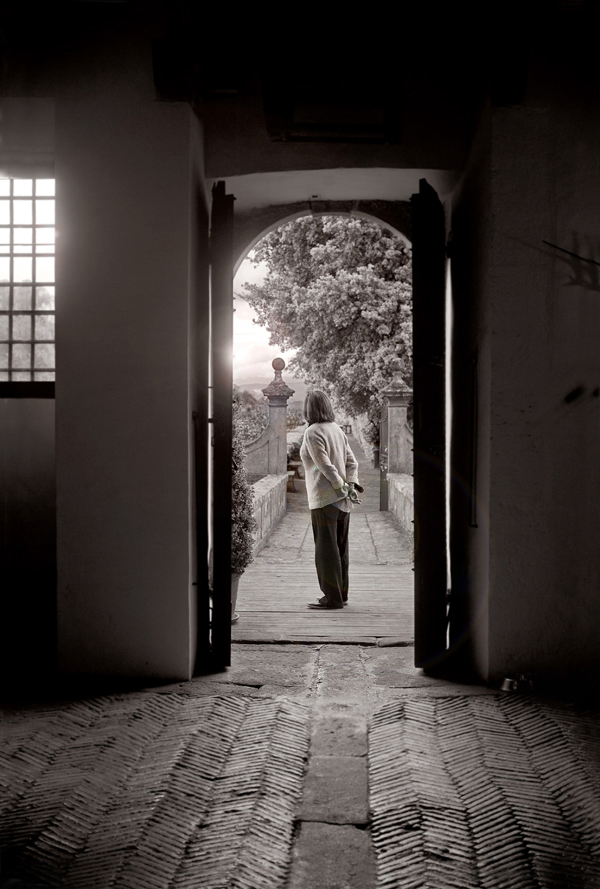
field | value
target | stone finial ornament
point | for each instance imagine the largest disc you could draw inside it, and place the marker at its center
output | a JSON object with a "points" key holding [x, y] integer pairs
{"points": [[277, 388], [397, 388]]}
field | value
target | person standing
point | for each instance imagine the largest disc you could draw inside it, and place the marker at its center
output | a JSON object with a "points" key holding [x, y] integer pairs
{"points": [[331, 472]]}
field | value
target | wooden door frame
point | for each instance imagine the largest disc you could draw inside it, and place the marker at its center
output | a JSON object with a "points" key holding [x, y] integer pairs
{"points": [[221, 338], [429, 394]]}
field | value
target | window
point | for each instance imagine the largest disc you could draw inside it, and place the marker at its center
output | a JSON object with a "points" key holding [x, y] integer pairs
{"points": [[27, 342]]}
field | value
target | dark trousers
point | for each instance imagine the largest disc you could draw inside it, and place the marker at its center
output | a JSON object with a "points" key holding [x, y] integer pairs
{"points": [[330, 529]]}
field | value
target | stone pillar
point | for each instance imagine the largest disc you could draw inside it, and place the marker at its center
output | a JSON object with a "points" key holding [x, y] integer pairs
{"points": [[277, 394], [399, 396]]}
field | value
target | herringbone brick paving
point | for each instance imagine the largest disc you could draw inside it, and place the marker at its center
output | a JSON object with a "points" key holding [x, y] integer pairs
{"points": [[178, 787], [486, 792], [153, 790]]}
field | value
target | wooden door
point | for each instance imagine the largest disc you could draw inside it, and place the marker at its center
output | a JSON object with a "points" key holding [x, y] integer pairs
{"points": [[429, 388], [221, 348]]}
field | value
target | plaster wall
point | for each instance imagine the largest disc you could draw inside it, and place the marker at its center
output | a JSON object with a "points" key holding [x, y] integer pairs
{"points": [[434, 73], [27, 536], [545, 370], [123, 197], [525, 515], [26, 137]]}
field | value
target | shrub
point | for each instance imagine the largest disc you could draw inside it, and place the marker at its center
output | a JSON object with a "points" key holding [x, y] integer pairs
{"points": [[253, 415], [294, 418], [293, 451], [243, 523]]}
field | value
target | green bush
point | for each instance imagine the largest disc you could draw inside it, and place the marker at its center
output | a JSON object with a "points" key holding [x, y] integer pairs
{"points": [[243, 523], [253, 415], [293, 451]]}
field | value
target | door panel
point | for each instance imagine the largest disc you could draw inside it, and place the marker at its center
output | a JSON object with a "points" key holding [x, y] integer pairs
{"points": [[199, 395], [221, 303], [429, 346]]}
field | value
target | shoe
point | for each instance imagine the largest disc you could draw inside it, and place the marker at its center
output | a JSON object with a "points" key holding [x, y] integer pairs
{"points": [[322, 604], [235, 617]]}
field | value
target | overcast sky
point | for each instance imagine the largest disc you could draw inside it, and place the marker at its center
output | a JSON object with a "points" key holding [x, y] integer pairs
{"points": [[252, 354]]}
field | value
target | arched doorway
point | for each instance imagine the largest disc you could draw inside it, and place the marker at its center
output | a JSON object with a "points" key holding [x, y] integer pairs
{"points": [[429, 341], [339, 290]]}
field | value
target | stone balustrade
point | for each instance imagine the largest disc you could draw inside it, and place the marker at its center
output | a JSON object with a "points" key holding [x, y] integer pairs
{"points": [[269, 507], [401, 500], [399, 444], [398, 450], [266, 459], [267, 454]]}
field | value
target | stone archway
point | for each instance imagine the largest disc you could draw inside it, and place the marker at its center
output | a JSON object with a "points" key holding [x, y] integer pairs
{"points": [[252, 225], [394, 578]]}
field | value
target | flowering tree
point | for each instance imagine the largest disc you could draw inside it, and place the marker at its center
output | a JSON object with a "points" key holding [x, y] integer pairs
{"points": [[338, 290]]}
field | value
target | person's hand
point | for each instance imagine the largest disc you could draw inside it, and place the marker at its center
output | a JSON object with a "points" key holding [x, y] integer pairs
{"points": [[347, 490], [353, 495]]}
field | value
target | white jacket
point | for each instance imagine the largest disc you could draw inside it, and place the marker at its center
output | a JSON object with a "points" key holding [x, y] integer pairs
{"points": [[328, 463]]}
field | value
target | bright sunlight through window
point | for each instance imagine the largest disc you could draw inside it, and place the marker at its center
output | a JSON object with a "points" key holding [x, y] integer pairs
{"points": [[27, 342]]}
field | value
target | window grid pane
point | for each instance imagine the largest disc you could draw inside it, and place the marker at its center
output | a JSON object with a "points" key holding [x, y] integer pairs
{"points": [[27, 346]]}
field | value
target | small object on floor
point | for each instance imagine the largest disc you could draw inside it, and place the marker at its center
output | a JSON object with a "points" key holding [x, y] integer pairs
{"points": [[235, 617], [520, 682], [322, 604]]}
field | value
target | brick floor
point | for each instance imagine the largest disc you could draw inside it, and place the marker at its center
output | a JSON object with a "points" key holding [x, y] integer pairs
{"points": [[200, 783], [302, 766]]}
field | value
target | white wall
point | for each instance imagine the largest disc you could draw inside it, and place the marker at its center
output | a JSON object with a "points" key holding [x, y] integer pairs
{"points": [[528, 576], [545, 320], [123, 198]]}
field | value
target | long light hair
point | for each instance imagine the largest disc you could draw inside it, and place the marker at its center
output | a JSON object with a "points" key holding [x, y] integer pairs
{"points": [[318, 408]]}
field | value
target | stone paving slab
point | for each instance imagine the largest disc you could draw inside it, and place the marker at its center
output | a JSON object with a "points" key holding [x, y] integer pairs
{"points": [[258, 665], [325, 671], [335, 790], [339, 735], [332, 856]]}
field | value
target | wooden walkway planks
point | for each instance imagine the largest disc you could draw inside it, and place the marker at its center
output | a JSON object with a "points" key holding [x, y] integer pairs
{"points": [[272, 603], [276, 588]]}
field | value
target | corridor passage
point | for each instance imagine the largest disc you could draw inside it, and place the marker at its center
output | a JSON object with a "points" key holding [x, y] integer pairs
{"points": [[310, 763], [275, 589]]}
